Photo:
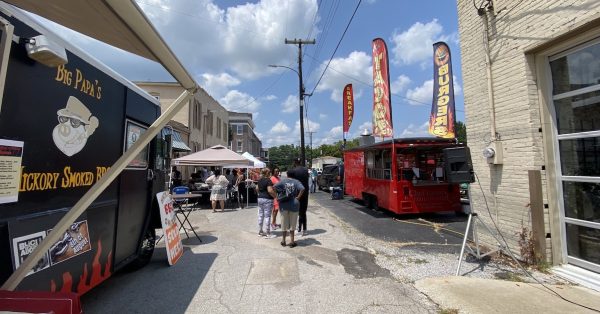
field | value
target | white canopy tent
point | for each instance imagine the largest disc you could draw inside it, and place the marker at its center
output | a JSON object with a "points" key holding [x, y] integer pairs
{"points": [[257, 163], [122, 24], [217, 155]]}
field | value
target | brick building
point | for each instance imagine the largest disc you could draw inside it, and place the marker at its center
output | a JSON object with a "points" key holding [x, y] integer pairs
{"points": [[536, 105]]}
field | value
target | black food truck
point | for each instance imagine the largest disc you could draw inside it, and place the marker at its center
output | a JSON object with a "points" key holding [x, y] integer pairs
{"points": [[62, 127]]}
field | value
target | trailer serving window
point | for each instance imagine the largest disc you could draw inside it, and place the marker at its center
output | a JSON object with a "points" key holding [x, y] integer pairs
{"points": [[420, 165], [379, 164]]}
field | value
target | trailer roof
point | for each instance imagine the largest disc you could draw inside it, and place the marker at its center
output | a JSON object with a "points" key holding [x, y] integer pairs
{"points": [[119, 23], [407, 141]]}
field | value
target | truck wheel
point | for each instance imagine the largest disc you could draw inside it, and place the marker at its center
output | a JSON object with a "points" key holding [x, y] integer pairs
{"points": [[146, 249]]}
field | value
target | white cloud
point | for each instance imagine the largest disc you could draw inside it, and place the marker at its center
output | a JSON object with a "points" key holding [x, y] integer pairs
{"points": [[237, 101], [416, 131], [332, 136], [309, 125], [357, 65], [423, 95], [416, 43], [290, 104], [280, 128], [241, 39], [400, 84], [217, 84], [322, 116], [270, 97]]}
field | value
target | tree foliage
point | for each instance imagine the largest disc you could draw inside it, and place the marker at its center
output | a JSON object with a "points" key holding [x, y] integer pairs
{"points": [[461, 132]]}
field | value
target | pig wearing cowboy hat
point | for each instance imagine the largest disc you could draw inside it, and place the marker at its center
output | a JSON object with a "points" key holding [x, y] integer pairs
{"points": [[75, 124]]}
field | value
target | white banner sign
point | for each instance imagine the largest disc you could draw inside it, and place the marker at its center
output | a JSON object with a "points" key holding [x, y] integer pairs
{"points": [[169, 227]]}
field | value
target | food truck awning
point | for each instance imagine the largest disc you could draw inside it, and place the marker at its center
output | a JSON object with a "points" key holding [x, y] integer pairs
{"points": [[119, 23], [122, 24]]}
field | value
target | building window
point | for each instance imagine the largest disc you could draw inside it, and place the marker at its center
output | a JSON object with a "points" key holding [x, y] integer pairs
{"points": [[209, 123], [240, 129], [197, 114], [240, 147], [576, 100], [225, 135], [218, 128]]}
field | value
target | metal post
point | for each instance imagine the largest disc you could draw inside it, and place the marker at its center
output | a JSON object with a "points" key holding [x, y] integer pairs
{"points": [[299, 42]]}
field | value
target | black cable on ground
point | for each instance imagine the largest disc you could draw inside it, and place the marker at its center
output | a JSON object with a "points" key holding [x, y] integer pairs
{"points": [[518, 263]]}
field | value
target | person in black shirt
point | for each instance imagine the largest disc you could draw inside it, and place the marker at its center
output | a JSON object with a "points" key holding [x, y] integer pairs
{"points": [[300, 173], [175, 177], [266, 194]]}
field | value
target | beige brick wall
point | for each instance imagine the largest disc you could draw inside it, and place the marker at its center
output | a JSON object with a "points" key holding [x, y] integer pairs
{"points": [[515, 27]]}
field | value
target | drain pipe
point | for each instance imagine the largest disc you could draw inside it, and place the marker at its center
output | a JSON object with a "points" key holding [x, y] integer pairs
{"points": [[488, 68]]}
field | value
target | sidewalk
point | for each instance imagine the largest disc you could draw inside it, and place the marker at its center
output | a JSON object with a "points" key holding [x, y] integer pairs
{"points": [[476, 295], [330, 271]]}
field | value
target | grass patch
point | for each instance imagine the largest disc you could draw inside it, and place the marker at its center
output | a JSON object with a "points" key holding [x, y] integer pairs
{"points": [[508, 276], [417, 260]]}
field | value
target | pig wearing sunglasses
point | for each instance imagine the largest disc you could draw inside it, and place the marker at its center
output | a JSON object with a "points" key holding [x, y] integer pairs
{"points": [[75, 124]]}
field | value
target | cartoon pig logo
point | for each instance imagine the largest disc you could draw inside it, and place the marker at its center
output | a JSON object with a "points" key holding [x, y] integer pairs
{"points": [[75, 124]]}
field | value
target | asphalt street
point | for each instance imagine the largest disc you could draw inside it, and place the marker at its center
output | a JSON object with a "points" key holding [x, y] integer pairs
{"points": [[431, 228], [354, 260]]}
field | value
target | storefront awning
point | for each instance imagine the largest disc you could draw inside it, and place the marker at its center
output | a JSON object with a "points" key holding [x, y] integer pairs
{"points": [[178, 143]]}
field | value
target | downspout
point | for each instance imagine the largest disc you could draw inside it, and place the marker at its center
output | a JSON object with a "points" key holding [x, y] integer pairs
{"points": [[488, 69]]}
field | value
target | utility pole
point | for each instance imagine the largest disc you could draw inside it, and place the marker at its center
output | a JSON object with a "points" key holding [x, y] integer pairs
{"points": [[310, 133], [299, 42]]}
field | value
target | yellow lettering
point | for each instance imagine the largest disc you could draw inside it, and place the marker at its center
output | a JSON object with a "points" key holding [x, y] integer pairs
{"points": [[443, 101], [443, 79], [442, 110], [78, 78], [443, 70], [441, 121], [100, 171], [444, 90]]}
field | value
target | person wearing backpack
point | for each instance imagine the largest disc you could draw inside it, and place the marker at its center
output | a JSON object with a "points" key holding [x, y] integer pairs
{"points": [[289, 191]]}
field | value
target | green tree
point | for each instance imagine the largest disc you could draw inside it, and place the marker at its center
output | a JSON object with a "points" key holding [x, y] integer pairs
{"points": [[461, 132]]}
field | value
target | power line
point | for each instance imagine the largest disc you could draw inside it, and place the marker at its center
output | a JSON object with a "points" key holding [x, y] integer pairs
{"points": [[337, 46]]}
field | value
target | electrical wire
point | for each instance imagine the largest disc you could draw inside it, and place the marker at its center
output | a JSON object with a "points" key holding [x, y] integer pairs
{"points": [[371, 86], [514, 258], [337, 46]]}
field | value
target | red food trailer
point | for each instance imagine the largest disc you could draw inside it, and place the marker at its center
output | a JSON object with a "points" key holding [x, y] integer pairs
{"points": [[404, 175]]}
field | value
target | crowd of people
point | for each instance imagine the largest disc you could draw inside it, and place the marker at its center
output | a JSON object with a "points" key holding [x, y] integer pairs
{"points": [[283, 196]]}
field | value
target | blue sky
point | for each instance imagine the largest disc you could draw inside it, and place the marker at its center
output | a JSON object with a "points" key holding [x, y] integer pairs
{"points": [[228, 45]]}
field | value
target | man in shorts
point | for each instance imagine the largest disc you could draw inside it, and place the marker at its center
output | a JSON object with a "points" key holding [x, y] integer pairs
{"points": [[289, 206]]}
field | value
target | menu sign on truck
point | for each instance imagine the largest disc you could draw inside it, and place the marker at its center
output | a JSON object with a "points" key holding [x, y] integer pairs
{"points": [[169, 227], [11, 154]]}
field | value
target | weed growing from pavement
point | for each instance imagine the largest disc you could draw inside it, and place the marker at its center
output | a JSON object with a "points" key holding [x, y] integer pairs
{"points": [[509, 276], [417, 260], [448, 311]]}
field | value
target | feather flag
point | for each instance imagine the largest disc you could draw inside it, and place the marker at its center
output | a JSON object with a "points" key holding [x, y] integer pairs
{"points": [[442, 118], [348, 104], [382, 105]]}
